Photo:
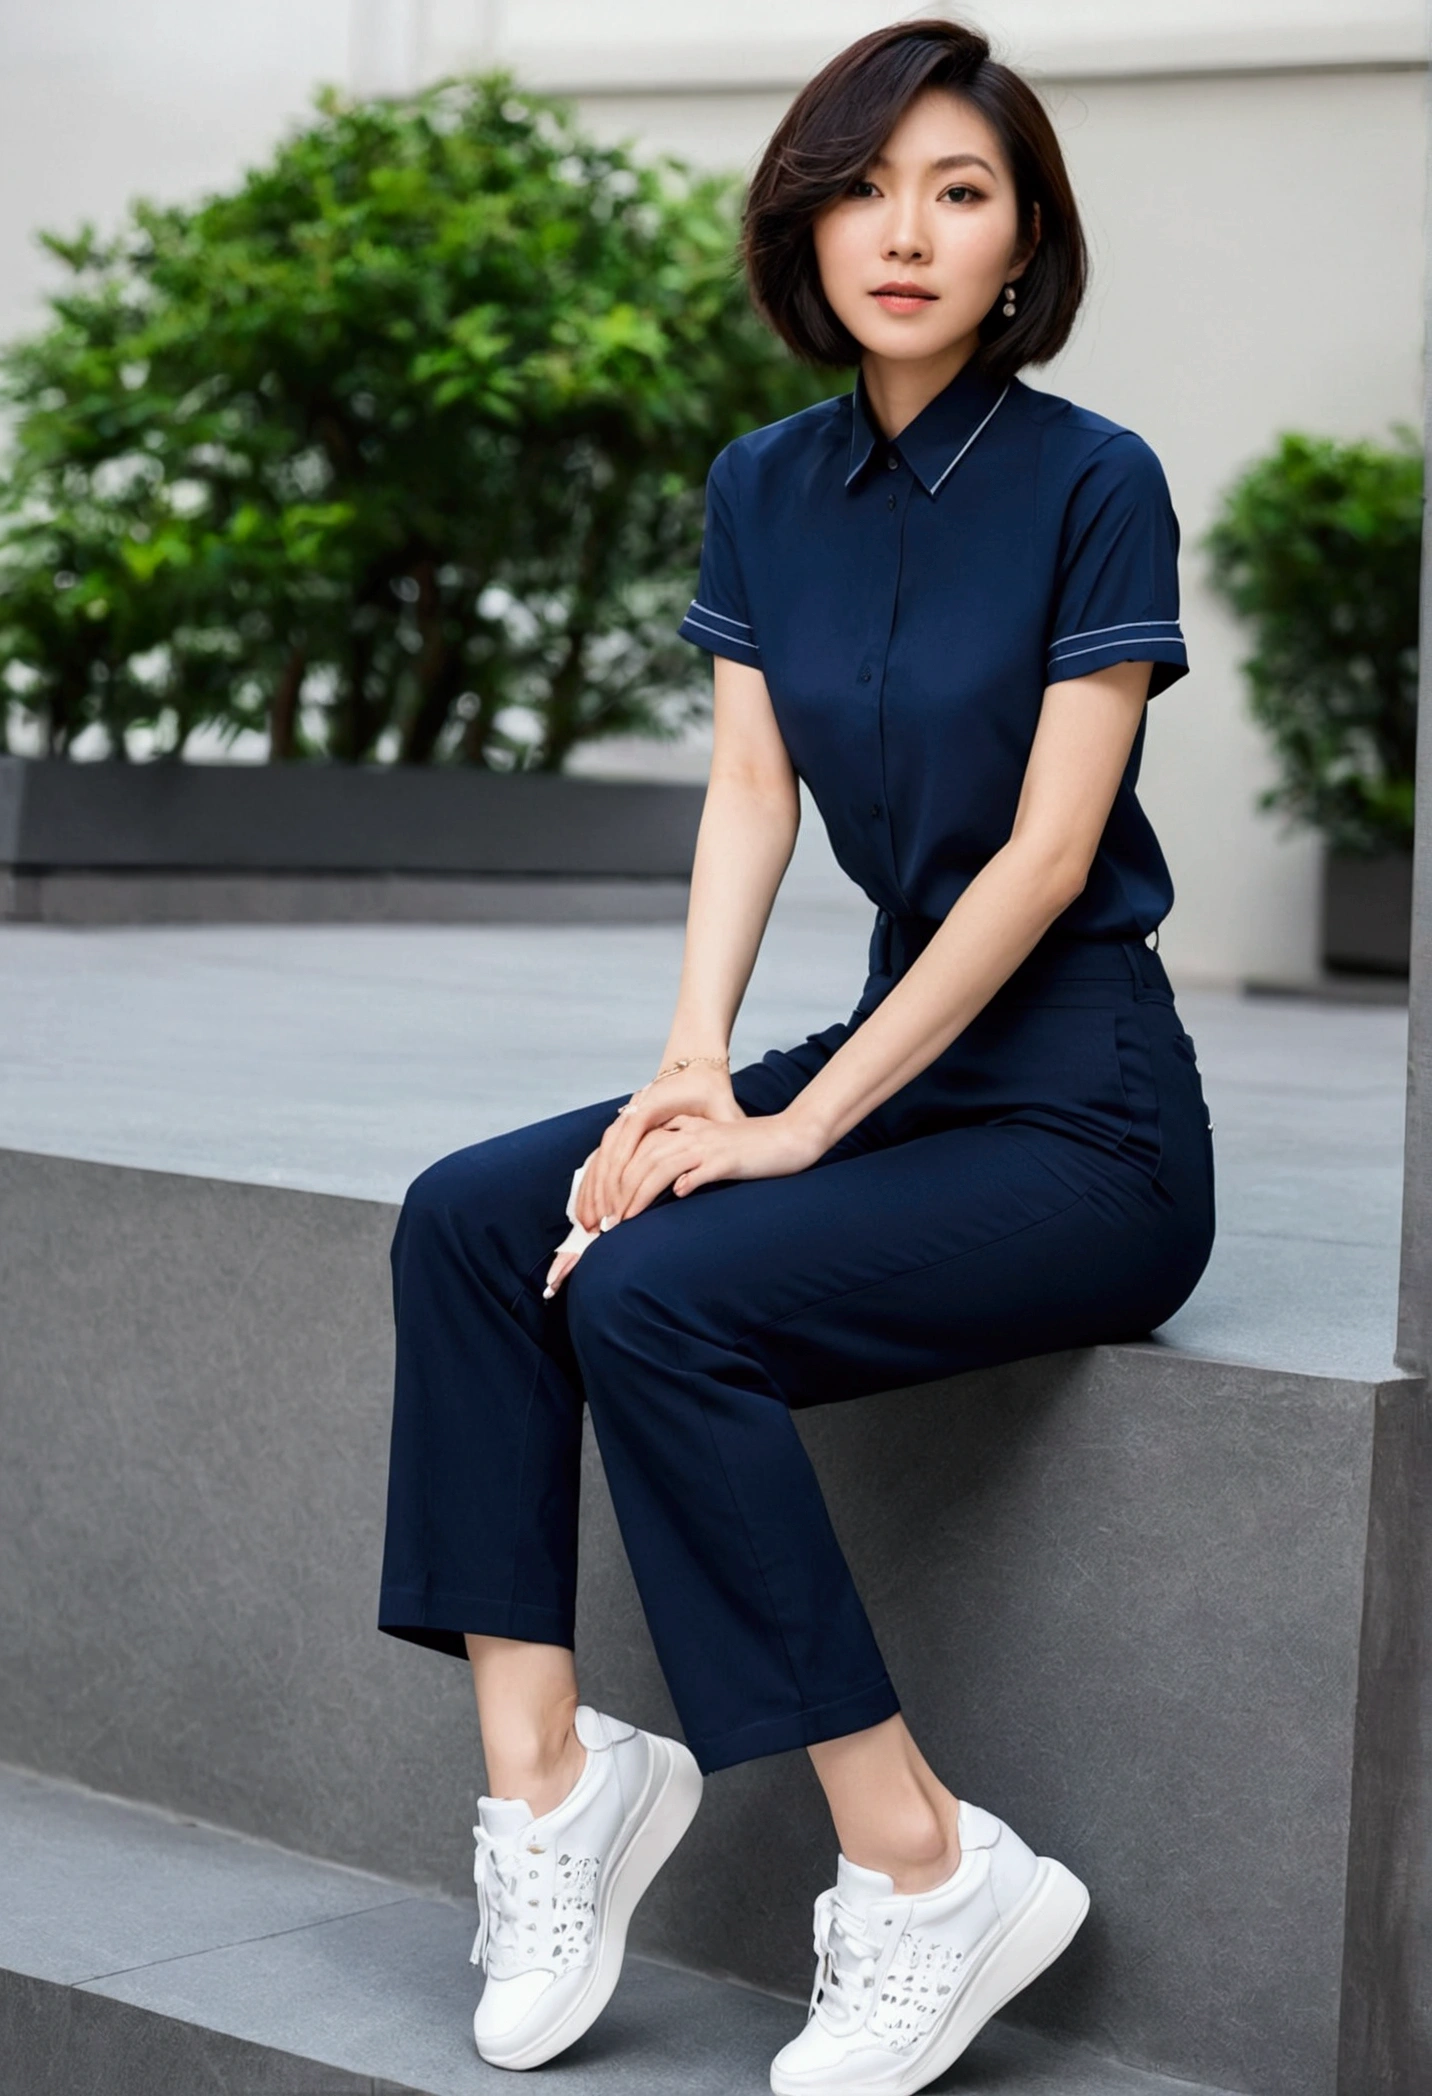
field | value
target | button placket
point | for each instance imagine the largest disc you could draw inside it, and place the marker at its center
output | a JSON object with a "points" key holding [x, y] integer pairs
{"points": [[898, 494], [886, 563]]}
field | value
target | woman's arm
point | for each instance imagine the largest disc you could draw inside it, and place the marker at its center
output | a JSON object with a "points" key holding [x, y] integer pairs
{"points": [[748, 830], [1086, 730]]}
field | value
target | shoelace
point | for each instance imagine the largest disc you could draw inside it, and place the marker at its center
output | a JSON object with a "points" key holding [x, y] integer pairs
{"points": [[495, 1869], [846, 1961]]}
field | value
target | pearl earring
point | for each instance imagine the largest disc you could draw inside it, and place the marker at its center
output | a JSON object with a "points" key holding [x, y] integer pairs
{"points": [[1008, 307]]}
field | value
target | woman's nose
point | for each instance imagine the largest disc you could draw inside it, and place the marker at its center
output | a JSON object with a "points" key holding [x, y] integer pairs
{"points": [[904, 233]]}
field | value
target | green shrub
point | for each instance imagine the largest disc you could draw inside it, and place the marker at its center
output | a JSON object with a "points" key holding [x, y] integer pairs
{"points": [[401, 443], [1318, 547]]}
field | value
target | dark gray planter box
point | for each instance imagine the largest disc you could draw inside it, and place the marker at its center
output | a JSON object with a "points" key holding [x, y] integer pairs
{"points": [[120, 842], [1367, 912]]}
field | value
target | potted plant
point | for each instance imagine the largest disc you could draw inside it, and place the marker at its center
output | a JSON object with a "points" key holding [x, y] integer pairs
{"points": [[395, 454], [1318, 547]]}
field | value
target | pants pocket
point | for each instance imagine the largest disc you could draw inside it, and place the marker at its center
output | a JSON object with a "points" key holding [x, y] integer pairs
{"points": [[1051, 1066], [1184, 1049], [1186, 1167], [1143, 1140]]}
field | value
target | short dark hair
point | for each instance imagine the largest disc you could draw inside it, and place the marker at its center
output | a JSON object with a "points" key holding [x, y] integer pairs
{"points": [[833, 130]]}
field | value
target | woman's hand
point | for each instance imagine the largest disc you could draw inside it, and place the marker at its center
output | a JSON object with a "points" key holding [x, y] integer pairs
{"points": [[689, 1150], [703, 1089]]}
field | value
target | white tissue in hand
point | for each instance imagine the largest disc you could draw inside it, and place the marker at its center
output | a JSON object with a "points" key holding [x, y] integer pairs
{"points": [[578, 1237]]}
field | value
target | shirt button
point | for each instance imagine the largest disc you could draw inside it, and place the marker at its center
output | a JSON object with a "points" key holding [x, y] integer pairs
{"points": [[890, 502], [893, 462], [876, 810], [865, 673]]}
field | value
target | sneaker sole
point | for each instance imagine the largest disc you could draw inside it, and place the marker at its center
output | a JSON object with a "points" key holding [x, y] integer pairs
{"points": [[1042, 1926], [655, 1825]]}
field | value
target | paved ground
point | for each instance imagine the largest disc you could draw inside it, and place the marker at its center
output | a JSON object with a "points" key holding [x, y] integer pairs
{"points": [[344, 1059], [169, 1937]]}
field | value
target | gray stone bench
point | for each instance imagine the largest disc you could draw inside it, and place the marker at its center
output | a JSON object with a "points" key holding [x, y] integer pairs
{"points": [[1169, 1623]]}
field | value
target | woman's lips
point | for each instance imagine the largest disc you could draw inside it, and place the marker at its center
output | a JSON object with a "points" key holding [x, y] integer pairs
{"points": [[904, 301]]}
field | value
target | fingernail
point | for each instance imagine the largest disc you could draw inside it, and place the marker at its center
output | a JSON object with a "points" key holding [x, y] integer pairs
{"points": [[549, 1291], [607, 1221]]}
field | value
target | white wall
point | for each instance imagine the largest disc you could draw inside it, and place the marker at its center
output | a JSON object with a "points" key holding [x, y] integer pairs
{"points": [[1252, 177], [779, 41], [1252, 172], [103, 100], [1258, 250]]}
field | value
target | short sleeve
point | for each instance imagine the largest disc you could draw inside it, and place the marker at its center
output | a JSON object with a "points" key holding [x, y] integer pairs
{"points": [[1116, 597], [718, 617]]}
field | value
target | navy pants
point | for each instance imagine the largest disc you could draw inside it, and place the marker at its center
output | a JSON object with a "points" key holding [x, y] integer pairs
{"points": [[1047, 1182]]}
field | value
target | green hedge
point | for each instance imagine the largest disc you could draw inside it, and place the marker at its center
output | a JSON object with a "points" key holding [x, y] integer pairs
{"points": [[396, 449], [1318, 546]]}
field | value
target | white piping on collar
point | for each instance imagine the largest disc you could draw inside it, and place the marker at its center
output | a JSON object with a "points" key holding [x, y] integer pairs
{"points": [[969, 440]]}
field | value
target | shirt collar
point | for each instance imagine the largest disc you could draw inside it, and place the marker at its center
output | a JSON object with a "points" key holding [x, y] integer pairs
{"points": [[940, 434]]}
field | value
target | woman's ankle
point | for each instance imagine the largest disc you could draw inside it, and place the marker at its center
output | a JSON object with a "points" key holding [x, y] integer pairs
{"points": [[527, 1701], [918, 1852], [541, 1762], [891, 1811]]}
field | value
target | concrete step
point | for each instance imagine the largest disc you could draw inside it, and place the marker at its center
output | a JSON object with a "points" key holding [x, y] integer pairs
{"points": [[1156, 1611], [142, 1952]]}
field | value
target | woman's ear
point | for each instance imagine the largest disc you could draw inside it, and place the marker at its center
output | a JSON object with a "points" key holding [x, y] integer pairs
{"points": [[1024, 254]]}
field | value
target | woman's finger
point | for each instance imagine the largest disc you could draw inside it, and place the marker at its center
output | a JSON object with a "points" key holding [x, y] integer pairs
{"points": [[649, 1155], [598, 1187], [559, 1270], [644, 1123], [588, 1191], [622, 1177], [659, 1172], [717, 1157], [701, 1173]]}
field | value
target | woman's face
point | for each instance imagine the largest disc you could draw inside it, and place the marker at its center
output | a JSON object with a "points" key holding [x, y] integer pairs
{"points": [[936, 209]]}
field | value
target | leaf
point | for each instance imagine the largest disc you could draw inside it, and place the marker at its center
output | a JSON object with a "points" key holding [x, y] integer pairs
{"points": [[1318, 548], [428, 396]]}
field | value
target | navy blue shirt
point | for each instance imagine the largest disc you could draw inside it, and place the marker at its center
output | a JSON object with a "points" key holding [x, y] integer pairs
{"points": [[908, 602]]}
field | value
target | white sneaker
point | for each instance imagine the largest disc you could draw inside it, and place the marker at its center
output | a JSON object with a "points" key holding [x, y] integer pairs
{"points": [[555, 1894], [905, 1981]]}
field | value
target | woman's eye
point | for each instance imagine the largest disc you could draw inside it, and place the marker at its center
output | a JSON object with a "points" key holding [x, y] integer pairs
{"points": [[960, 191]]}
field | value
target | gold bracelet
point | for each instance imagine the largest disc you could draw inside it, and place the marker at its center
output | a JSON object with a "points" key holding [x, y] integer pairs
{"points": [[684, 1062]]}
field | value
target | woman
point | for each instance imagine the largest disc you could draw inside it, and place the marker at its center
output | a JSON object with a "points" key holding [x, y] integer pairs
{"points": [[942, 600]]}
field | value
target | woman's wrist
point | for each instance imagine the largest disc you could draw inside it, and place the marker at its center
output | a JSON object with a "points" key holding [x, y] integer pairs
{"points": [[804, 1120]]}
